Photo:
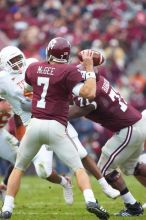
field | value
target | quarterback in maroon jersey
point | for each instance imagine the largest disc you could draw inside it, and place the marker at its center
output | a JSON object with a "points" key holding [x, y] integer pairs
{"points": [[53, 82], [124, 147]]}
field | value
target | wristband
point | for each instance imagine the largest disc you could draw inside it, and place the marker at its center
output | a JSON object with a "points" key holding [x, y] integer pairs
{"points": [[90, 75], [95, 104]]}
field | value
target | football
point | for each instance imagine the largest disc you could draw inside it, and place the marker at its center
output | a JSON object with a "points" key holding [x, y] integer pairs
{"points": [[98, 58]]}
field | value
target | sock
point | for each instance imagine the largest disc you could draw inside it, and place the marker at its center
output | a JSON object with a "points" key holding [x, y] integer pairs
{"points": [[63, 181], [128, 198], [8, 172], [8, 204], [103, 183], [88, 196]]}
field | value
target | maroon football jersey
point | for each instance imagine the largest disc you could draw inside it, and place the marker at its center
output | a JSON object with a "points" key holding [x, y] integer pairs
{"points": [[112, 110], [52, 87]]}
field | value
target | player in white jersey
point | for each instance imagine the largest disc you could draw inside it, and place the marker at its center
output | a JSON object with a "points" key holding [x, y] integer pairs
{"points": [[14, 81]]}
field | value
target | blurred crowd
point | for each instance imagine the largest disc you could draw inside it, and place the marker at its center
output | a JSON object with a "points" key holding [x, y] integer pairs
{"points": [[117, 28]]}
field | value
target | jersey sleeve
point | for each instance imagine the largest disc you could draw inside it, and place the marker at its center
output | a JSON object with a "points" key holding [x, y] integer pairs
{"points": [[28, 87], [76, 89]]}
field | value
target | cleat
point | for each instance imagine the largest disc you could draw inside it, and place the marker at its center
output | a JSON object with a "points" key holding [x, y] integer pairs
{"points": [[111, 193], [5, 215], [144, 206], [131, 210], [99, 211], [67, 192]]}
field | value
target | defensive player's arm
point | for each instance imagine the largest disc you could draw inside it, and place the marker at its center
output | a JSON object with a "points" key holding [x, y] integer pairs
{"points": [[76, 111], [27, 87], [26, 104], [26, 98]]}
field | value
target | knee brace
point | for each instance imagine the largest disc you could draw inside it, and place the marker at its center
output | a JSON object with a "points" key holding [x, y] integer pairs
{"points": [[112, 177], [43, 169]]}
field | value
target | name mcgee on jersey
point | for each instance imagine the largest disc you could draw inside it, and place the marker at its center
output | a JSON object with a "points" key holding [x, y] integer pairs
{"points": [[45, 70]]}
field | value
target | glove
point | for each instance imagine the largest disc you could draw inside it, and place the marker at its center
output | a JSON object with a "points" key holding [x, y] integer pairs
{"points": [[5, 107]]}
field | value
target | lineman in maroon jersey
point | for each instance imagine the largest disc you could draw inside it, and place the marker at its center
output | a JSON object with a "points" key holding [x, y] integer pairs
{"points": [[124, 147], [53, 82]]}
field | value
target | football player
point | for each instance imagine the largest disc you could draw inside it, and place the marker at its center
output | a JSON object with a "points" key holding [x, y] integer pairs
{"points": [[43, 160], [123, 149], [8, 143], [13, 64], [53, 81]]}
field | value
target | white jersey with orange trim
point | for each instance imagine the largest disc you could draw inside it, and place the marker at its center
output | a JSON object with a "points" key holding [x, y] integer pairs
{"points": [[12, 87]]}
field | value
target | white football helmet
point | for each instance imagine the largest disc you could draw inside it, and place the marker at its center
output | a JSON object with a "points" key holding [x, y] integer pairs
{"points": [[12, 59]]}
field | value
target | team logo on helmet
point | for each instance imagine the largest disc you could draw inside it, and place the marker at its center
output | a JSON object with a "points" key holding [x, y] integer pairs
{"points": [[52, 44]]}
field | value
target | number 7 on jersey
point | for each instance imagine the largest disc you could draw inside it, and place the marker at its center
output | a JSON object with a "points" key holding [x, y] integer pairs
{"points": [[45, 82]]}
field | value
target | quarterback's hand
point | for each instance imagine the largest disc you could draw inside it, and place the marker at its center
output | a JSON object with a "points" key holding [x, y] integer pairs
{"points": [[87, 56]]}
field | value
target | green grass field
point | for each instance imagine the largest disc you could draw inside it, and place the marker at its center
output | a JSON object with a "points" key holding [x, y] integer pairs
{"points": [[40, 200]]}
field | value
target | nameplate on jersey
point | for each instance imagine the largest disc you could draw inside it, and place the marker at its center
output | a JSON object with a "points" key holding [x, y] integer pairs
{"points": [[45, 70]]}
